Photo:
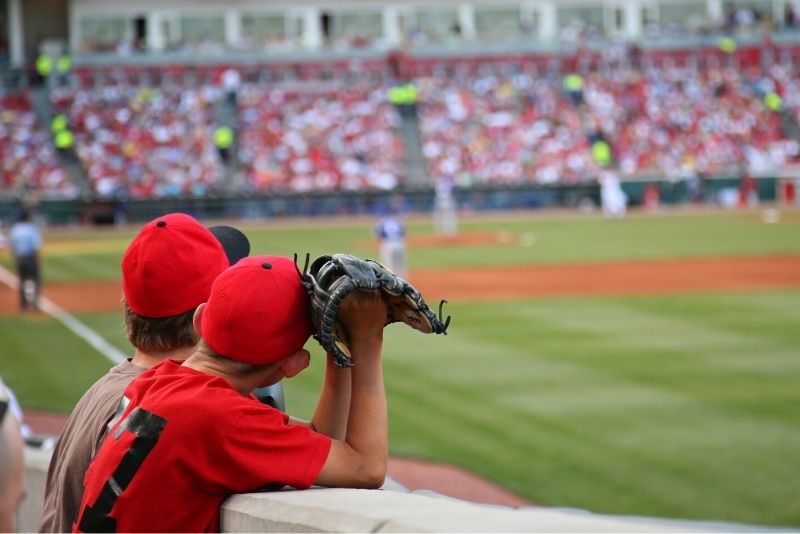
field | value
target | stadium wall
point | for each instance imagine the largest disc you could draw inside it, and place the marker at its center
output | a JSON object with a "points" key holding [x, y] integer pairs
{"points": [[277, 205]]}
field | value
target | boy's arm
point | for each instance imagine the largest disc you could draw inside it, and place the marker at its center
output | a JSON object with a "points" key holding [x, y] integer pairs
{"points": [[330, 417], [360, 458]]}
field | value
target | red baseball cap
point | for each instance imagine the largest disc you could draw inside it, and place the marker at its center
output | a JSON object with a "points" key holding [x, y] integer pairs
{"points": [[170, 265], [257, 312]]}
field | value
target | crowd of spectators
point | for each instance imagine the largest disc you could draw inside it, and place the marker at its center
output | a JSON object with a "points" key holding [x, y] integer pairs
{"points": [[678, 122], [28, 162], [145, 140], [488, 124], [320, 138]]}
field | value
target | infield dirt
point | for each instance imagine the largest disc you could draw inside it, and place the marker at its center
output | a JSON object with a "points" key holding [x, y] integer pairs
{"points": [[522, 282]]}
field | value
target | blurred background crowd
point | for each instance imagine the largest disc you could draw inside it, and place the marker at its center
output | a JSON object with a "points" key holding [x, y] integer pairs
{"points": [[489, 95]]}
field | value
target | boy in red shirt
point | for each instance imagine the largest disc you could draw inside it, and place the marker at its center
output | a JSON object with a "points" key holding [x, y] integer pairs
{"points": [[190, 435]]}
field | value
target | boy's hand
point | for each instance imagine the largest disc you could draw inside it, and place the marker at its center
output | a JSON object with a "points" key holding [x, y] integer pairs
{"points": [[362, 314]]}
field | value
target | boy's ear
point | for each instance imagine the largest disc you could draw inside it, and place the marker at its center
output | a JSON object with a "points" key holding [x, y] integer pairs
{"points": [[295, 363], [198, 313]]}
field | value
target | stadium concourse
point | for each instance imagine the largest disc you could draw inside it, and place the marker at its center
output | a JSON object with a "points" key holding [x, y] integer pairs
{"points": [[148, 131]]}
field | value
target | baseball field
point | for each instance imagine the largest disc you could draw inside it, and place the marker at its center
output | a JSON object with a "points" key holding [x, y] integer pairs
{"points": [[646, 366]]}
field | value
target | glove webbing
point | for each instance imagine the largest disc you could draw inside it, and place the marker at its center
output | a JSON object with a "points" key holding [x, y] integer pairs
{"points": [[326, 317], [341, 287]]}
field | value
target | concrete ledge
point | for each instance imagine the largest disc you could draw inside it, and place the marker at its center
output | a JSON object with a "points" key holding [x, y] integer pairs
{"points": [[391, 509], [349, 510]]}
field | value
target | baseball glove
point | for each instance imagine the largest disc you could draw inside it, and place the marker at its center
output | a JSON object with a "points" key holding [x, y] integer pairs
{"points": [[332, 277]]}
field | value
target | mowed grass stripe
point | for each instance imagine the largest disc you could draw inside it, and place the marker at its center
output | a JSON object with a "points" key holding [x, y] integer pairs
{"points": [[583, 460], [589, 440], [697, 419]]}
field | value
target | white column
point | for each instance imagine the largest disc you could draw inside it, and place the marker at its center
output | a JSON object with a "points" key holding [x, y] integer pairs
{"points": [[715, 11], [16, 38], [312, 28], [391, 26], [156, 40], [466, 21], [548, 24], [233, 28], [633, 19]]}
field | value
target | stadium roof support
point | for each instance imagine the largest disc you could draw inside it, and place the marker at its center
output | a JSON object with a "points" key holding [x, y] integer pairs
{"points": [[15, 33]]}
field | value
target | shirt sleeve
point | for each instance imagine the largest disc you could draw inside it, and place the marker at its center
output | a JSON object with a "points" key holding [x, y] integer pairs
{"points": [[261, 448]]}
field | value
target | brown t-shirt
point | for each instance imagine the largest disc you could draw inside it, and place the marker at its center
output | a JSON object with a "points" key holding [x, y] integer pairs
{"points": [[79, 442]]}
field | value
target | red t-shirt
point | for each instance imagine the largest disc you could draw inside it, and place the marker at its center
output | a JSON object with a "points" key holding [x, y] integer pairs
{"points": [[184, 443]]}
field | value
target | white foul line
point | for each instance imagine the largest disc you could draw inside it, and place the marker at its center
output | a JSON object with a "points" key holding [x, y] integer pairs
{"points": [[78, 328]]}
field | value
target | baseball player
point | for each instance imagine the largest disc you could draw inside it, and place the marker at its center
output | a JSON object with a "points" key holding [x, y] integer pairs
{"points": [[445, 209], [612, 197], [391, 234], [149, 476], [167, 273], [26, 240]]}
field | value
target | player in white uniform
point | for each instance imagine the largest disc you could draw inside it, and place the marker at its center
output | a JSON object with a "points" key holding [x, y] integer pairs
{"points": [[445, 209], [612, 197], [391, 233]]}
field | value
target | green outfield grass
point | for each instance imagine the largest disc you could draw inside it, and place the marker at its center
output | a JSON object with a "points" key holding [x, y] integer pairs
{"points": [[678, 406]]}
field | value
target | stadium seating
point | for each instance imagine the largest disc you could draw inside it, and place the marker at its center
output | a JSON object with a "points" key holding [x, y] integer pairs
{"points": [[147, 131], [28, 162], [663, 120], [318, 137], [145, 140]]}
